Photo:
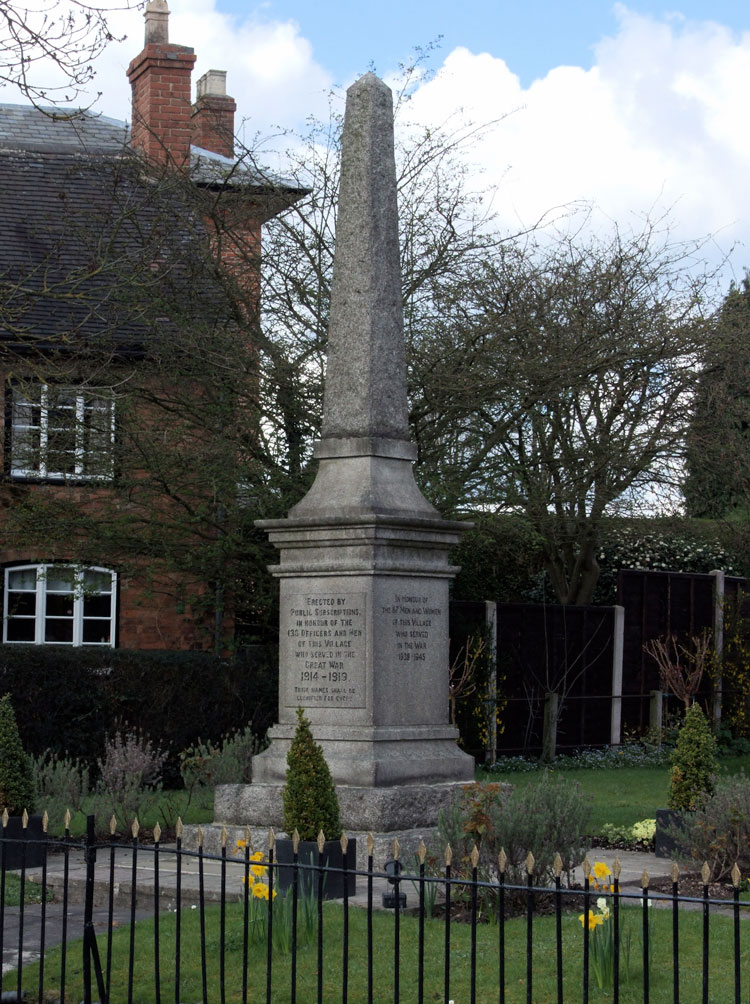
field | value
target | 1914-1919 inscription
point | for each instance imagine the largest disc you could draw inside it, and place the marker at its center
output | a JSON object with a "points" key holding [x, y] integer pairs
{"points": [[326, 645]]}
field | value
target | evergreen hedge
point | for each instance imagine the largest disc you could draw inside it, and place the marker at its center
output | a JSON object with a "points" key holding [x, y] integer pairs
{"points": [[68, 699]]}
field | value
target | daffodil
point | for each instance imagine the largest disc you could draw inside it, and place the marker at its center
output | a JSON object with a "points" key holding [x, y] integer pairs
{"points": [[258, 869], [260, 891], [595, 919], [601, 871]]}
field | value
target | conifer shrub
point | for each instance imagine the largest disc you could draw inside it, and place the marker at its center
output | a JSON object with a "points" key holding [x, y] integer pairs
{"points": [[309, 798], [694, 762], [16, 777]]}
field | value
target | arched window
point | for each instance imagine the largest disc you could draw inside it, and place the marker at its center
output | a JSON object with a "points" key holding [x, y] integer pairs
{"points": [[59, 605]]}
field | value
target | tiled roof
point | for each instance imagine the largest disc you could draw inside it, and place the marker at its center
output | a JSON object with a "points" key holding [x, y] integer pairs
{"points": [[85, 234], [24, 127], [85, 242]]}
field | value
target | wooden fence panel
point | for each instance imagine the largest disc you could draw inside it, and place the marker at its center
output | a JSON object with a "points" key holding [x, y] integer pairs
{"points": [[543, 648]]}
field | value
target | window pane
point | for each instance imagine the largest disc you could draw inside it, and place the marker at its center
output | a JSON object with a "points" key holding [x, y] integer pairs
{"points": [[100, 582], [96, 440], [61, 401], [96, 632], [23, 604], [21, 629], [25, 450], [22, 578], [25, 434], [57, 629], [59, 604], [26, 408], [97, 606], [61, 451], [60, 579]]}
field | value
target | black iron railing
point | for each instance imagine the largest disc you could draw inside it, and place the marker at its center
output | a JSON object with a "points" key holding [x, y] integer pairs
{"points": [[143, 922]]}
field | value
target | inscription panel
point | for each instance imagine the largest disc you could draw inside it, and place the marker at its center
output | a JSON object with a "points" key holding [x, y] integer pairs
{"points": [[413, 619], [325, 642]]}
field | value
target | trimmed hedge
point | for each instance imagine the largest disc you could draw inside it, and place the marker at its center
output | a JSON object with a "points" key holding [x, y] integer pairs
{"points": [[68, 699]]}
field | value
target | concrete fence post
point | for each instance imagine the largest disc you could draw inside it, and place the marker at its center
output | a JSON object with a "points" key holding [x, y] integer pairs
{"points": [[549, 734], [490, 616], [615, 719], [656, 712], [718, 637]]}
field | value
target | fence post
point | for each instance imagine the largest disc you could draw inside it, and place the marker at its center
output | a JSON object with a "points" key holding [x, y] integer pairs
{"points": [[656, 712], [90, 948], [549, 736], [718, 633], [618, 634], [490, 617]]}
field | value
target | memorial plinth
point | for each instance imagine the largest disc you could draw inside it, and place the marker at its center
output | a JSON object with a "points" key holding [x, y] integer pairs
{"points": [[364, 558]]}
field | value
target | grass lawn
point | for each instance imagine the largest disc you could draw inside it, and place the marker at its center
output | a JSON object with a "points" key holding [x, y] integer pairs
{"points": [[621, 796], [544, 976], [32, 892], [164, 807]]}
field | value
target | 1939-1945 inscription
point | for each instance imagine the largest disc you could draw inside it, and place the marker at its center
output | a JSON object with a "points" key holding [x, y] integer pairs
{"points": [[326, 643], [413, 618]]}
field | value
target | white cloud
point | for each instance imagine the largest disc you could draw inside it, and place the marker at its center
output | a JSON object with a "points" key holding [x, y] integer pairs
{"points": [[271, 69], [657, 122]]}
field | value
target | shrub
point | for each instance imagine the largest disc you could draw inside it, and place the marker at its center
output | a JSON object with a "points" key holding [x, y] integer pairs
{"points": [[694, 763], [720, 832], [229, 761], [130, 755], [62, 783], [16, 779], [548, 818], [310, 800], [662, 545], [130, 775]]}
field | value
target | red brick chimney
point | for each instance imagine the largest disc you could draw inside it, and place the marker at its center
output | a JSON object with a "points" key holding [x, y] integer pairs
{"points": [[213, 114], [160, 79]]}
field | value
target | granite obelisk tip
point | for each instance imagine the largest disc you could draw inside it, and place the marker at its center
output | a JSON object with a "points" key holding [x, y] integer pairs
{"points": [[365, 388]]}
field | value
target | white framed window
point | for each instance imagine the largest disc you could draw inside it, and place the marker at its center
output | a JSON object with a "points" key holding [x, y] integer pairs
{"points": [[62, 433], [59, 605]]}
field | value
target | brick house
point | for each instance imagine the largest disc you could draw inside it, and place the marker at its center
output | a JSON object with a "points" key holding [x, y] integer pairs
{"points": [[101, 244]]}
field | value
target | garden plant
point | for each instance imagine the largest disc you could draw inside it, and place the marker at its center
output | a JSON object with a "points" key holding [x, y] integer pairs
{"points": [[694, 762], [16, 776], [309, 797]]}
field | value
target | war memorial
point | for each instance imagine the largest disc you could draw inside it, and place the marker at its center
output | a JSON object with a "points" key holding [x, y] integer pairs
{"points": [[364, 559]]}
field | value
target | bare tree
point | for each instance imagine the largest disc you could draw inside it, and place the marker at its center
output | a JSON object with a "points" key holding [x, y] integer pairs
{"points": [[48, 38], [681, 666], [557, 382]]}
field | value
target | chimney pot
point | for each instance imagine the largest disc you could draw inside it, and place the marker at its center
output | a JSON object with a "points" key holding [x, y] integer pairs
{"points": [[213, 84], [157, 22]]}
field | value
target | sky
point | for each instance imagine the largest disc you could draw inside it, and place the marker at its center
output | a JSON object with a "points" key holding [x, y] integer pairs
{"points": [[636, 108]]}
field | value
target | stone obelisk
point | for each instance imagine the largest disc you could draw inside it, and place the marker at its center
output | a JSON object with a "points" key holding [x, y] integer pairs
{"points": [[364, 566]]}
